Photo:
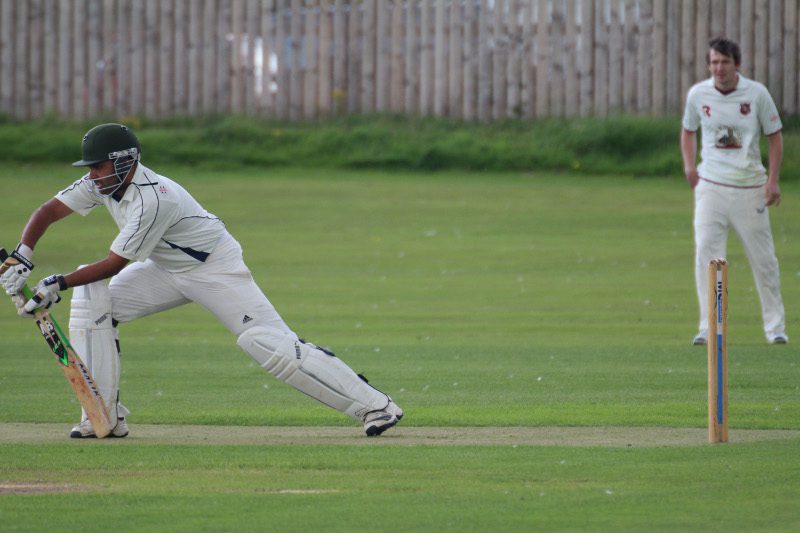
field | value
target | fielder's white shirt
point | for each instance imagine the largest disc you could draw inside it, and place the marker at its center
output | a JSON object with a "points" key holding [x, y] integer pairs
{"points": [[732, 124], [157, 218]]}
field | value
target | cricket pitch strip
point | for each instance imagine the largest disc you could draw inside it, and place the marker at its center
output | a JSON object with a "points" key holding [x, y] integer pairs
{"points": [[606, 437]]}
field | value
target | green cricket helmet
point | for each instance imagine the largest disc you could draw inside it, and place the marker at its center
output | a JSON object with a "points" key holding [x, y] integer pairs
{"points": [[106, 142], [109, 142]]}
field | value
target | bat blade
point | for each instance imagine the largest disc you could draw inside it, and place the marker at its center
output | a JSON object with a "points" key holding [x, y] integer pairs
{"points": [[76, 372]]}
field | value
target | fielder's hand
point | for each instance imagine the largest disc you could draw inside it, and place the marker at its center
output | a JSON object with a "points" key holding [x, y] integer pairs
{"points": [[16, 269], [45, 293]]}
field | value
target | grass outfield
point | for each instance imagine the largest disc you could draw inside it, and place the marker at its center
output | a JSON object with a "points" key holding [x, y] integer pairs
{"points": [[541, 304]]}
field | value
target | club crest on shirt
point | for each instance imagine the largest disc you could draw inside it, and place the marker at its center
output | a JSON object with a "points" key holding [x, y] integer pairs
{"points": [[745, 108], [707, 110]]}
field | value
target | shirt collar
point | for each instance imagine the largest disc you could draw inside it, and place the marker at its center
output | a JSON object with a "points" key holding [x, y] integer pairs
{"points": [[138, 178]]}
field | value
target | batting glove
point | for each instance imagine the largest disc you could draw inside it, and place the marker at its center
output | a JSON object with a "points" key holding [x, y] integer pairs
{"points": [[16, 269], [45, 293], [19, 301]]}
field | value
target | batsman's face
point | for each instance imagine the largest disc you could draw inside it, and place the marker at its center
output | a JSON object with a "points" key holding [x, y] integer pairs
{"points": [[723, 70], [102, 175]]}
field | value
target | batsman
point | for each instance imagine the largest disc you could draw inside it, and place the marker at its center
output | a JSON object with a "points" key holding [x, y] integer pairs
{"points": [[170, 251]]}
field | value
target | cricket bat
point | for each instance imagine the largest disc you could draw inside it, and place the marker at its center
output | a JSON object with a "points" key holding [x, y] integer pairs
{"points": [[78, 376]]}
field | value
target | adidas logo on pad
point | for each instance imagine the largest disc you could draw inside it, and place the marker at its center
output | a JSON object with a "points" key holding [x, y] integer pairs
{"points": [[247, 319]]}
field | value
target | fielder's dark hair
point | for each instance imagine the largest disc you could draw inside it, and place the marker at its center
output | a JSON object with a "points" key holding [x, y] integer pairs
{"points": [[726, 47]]}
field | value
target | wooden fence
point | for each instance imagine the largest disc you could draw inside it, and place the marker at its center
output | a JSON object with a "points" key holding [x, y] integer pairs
{"points": [[302, 59]]}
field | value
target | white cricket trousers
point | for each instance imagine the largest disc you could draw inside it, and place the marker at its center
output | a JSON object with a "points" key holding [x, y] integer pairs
{"points": [[719, 208], [223, 285]]}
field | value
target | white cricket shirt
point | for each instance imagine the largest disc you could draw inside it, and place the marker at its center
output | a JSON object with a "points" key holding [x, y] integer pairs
{"points": [[157, 219], [732, 125]]}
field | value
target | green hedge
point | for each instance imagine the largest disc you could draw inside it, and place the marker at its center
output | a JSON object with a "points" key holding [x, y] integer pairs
{"points": [[634, 146]]}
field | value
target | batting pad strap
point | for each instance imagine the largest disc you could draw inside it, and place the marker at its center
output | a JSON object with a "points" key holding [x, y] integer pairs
{"points": [[90, 307], [312, 371]]}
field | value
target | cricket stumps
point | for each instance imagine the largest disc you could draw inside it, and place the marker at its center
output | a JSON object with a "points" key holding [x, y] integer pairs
{"points": [[718, 351]]}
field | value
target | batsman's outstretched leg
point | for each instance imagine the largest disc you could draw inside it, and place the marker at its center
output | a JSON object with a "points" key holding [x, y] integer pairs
{"points": [[323, 376]]}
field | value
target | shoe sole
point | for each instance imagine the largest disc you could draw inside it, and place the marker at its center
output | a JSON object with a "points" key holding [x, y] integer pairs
{"points": [[79, 435], [374, 431]]}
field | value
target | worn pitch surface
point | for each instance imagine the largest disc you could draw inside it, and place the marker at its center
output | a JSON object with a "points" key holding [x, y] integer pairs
{"points": [[614, 437]]}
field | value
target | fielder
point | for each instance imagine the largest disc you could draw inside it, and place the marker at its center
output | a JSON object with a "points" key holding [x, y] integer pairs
{"points": [[732, 189], [171, 251]]}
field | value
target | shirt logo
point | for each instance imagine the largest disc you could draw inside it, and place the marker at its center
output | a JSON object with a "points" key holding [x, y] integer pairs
{"points": [[707, 110], [745, 108], [162, 190]]}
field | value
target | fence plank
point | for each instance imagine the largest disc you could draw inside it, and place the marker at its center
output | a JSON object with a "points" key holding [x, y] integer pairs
{"points": [[354, 60], [499, 60], [339, 103], [282, 52], [659, 56], [93, 46], [673, 88], [411, 51], [630, 66], [166, 65], [383, 56], [49, 57], [310, 65], [368, 79], [467, 51], [775, 51], [269, 58], [702, 33], [600, 60], [746, 36], [325, 54], [484, 111], [717, 27], [455, 61], [687, 50], [586, 53], [397, 76], [790, 58], [760, 42], [571, 83], [439, 59], [645, 58], [615, 59], [7, 64], [35, 51], [543, 59], [555, 43]]}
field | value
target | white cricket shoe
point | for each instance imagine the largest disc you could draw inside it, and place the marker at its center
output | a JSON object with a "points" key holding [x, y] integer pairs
{"points": [[376, 422], [777, 338], [84, 430], [701, 339]]}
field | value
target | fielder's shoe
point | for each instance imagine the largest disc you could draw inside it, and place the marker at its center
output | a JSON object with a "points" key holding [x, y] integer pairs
{"points": [[701, 339], [376, 422], [84, 430], [777, 338]]}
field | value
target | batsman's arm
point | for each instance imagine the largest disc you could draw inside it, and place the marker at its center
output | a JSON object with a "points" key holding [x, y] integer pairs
{"points": [[689, 154], [48, 213]]}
